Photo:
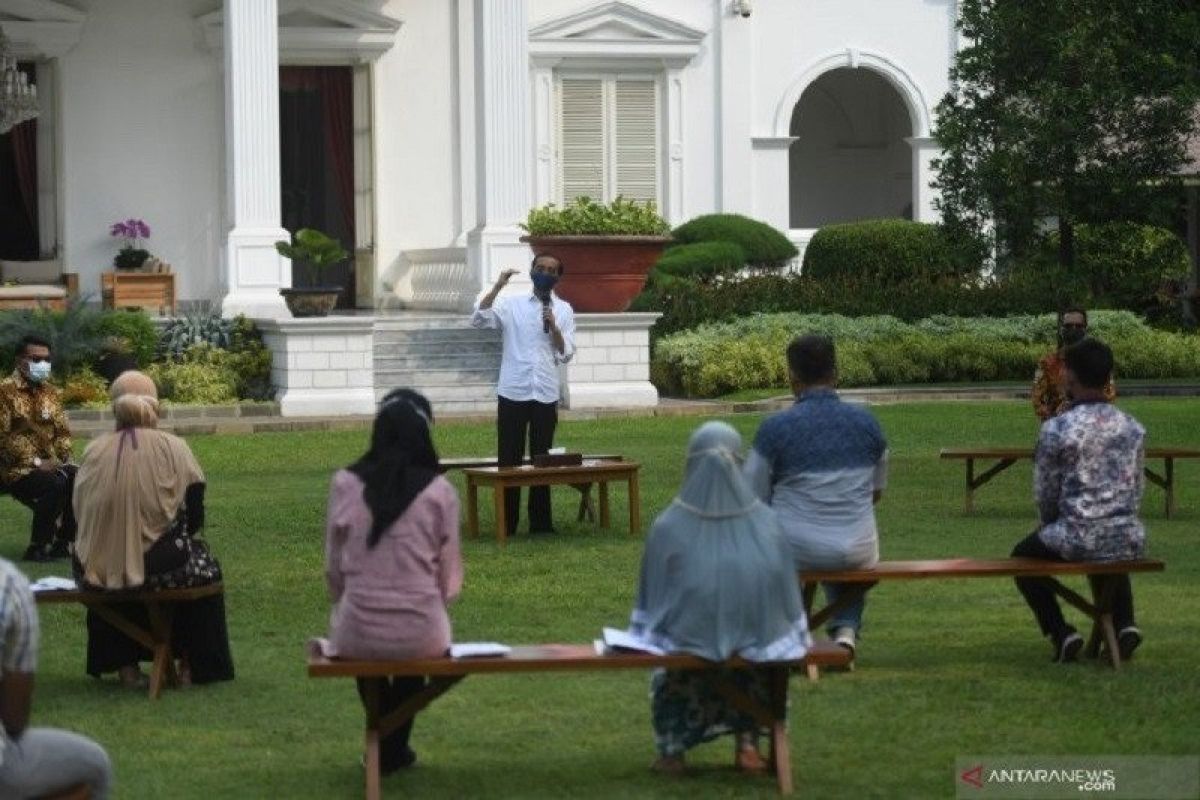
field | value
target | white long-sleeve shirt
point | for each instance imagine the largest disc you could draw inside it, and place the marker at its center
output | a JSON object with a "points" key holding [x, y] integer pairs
{"points": [[529, 363]]}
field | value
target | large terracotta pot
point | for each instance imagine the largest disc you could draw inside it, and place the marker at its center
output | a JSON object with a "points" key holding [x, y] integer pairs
{"points": [[600, 273]]}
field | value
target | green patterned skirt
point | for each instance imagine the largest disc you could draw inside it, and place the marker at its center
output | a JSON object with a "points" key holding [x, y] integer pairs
{"points": [[687, 708]]}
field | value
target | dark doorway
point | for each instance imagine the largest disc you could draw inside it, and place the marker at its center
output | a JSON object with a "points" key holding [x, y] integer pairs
{"points": [[19, 190], [316, 127]]}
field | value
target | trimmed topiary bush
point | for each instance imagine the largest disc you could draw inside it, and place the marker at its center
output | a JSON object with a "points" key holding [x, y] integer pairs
{"points": [[701, 262], [882, 251], [763, 246], [138, 331]]}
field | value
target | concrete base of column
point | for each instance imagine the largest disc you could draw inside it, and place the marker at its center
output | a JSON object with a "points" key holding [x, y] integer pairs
{"points": [[255, 273], [492, 250]]}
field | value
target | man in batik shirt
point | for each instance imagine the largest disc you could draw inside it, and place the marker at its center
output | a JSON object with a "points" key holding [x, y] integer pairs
{"points": [[1049, 395], [35, 451], [1088, 484]]}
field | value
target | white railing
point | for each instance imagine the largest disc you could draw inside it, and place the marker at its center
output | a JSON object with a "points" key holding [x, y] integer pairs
{"points": [[435, 279]]}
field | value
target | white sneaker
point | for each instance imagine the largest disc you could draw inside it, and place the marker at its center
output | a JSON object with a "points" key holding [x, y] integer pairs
{"points": [[845, 638]]}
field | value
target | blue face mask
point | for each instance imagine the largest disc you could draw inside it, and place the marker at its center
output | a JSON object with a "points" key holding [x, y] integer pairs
{"points": [[543, 281], [39, 371]]}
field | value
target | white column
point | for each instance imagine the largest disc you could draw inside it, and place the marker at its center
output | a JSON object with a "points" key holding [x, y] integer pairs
{"points": [[503, 138], [735, 109], [544, 133], [675, 211], [772, 173], [47, 171], [253, 272], [924, 150]]}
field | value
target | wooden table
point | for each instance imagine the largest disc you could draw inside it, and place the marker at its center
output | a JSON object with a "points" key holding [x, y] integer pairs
{"points": [[1005, 457], [590, 471], [159, 603], [139, 290]]}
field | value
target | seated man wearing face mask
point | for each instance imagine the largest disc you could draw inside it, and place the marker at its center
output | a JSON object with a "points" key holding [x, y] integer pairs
{"points": [[538, 332], [35, 450], [1049, 393]]}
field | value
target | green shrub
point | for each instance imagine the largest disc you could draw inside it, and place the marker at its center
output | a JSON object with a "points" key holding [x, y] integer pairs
{"points": [[201, 325], [584, 216], [763, 245], [749, 353], [1117, 265], [74, 335], [883, 251], [200, 379], [702, 261], [84, 388], [136, 329]]}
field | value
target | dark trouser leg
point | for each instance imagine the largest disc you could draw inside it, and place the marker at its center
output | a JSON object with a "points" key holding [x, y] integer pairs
{"points": [[46, 494], [393, 748], [1122, 599], [543, 419], [512, 420], [67, 527], [1037, 591]]}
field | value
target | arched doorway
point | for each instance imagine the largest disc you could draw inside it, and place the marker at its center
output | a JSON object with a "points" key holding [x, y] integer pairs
{"points": [[850, 160]]}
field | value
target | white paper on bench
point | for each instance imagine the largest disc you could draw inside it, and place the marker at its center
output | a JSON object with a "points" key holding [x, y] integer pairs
{"points": [[478, 649], [616, 639], [53, 583]]}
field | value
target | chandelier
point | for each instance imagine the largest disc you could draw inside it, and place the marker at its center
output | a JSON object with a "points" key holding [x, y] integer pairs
{"points": [[18, 97]]}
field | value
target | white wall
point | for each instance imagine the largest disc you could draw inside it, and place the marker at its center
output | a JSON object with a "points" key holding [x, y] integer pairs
{"points": [[142, 133]]}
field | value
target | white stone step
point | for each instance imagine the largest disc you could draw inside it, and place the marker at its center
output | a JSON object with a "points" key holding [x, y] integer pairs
{"points": [[418, 359]]}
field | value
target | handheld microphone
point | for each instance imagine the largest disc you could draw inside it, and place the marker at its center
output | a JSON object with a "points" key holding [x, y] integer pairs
{"points": [[545, 298]]}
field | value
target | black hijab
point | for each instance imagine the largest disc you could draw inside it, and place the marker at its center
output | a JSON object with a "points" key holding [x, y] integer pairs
{"points": [[401, 461]]}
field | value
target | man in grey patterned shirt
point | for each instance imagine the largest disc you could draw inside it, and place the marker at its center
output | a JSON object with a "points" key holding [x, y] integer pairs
{"points": [[35, 761], [1088, 482]]}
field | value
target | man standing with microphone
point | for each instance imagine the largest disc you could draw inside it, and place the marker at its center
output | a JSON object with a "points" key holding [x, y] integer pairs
{"points": [[538, 334]]}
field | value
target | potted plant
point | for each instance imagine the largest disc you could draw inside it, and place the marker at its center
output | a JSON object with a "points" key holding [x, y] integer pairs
{"points": [[315, 251], [131, 255], [606, 250]]}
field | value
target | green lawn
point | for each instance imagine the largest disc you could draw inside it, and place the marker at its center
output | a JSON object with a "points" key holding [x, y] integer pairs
{"points": [[946, 668]]}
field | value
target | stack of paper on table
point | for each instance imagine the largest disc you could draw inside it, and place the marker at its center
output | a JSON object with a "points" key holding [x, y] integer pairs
{"points": [[616, 640], [53, 583], [478, 649]]}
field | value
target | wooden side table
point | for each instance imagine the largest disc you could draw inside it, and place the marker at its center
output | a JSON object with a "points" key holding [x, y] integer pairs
{"points": [[139, 290]]}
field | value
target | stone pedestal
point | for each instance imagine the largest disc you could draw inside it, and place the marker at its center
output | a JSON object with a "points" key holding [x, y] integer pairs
{"points": [[611, 367], [322, 366]]}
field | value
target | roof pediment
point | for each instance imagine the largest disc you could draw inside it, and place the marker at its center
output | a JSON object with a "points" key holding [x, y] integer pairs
{"points": [[319, 31], [615, 30], [40, 28]]}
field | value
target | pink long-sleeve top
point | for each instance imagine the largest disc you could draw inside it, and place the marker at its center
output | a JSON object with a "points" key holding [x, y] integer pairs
{"points": [[390, 601]]}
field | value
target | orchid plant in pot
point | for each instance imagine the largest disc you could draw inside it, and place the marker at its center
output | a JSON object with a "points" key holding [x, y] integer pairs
{"points": [[314, 251], [131, 255]]}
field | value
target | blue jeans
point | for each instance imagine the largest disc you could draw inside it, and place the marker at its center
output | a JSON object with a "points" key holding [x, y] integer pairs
{"points": [[851, 615]]}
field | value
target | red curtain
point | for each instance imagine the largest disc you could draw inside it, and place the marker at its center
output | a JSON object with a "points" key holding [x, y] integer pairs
{"points": [[24, 144], [336, 87]]}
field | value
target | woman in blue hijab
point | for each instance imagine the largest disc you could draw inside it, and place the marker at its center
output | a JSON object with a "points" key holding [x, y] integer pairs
{"points": [[717, 581]]}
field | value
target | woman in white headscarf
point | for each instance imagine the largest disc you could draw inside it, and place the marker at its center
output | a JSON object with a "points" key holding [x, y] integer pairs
{"points": [[139, 500], [717, 581]]}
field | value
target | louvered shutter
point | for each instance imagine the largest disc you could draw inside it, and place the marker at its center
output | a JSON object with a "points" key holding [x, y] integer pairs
{"points": [[581, 138], [635, 108]]}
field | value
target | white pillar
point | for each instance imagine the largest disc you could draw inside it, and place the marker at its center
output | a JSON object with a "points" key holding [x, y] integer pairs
{"points": [[735, 109], [254, 272], [772, 175], [924, 150], [503, 138]]}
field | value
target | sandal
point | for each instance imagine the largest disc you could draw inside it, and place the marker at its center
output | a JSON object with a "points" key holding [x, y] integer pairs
{"points": [[746, 757], [670, 765], [133, 677]]}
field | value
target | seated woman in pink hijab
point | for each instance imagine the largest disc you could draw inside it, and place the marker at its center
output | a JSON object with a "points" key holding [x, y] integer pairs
{"points": [[139, 501], [392, 558]]}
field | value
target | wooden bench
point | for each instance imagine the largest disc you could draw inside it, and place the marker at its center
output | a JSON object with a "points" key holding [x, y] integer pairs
{"points": [[590, 471], [1005, 457], [444, 673], [586, 509], [79, 791], [1099, 610], [160, 606]]}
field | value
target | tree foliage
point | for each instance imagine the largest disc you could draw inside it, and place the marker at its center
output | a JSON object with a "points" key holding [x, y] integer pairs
{"points": [[1077, 110]]}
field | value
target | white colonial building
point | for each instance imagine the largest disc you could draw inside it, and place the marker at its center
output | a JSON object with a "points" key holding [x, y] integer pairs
{"points": [[420, 132]]}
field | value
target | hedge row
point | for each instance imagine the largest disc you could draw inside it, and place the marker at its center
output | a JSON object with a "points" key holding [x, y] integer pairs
{"points": [[749, 353]]}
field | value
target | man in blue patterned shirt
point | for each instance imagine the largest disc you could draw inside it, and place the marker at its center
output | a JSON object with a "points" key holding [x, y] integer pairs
{"points": [[1088, 482], [822, 465], [35, 761]]}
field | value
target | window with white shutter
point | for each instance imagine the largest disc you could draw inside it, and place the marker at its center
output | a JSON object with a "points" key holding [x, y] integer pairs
{"points": [[608, 137]]}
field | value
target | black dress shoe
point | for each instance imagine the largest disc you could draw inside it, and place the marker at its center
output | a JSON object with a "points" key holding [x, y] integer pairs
{"points": [[60, 549], [38, 553]]}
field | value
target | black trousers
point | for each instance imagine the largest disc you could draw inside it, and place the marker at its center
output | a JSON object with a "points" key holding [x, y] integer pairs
{"points": [[1044, 603], [392, 693], [516, 420], [48, 495]]}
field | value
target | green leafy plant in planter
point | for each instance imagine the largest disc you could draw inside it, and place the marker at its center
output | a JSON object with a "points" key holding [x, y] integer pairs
{"points": [[315, 251], [606, 250]]}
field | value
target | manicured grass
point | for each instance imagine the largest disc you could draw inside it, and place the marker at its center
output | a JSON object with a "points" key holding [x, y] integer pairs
{"points": [[946, 667]]}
